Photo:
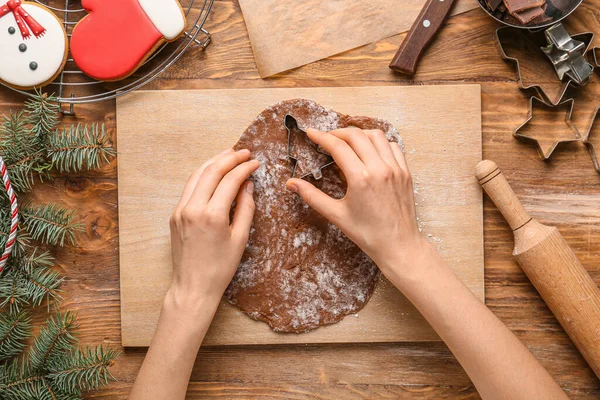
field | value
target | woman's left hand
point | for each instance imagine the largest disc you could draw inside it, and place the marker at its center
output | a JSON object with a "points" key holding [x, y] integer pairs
{"points": [[206, 247]]}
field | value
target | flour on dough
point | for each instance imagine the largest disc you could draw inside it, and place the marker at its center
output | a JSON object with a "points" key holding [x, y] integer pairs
{"points": [[299, 271]]}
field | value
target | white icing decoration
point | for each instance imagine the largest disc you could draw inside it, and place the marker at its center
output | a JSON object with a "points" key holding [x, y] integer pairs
{"points": [[47, 51], [166, 16]]}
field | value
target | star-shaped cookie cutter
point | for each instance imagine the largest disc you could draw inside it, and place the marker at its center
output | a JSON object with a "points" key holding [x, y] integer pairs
{"points": [[499, 37], [291, 124], [590, 145], [545, 154]]}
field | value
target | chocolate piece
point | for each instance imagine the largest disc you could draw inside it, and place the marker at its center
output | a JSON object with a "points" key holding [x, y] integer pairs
{"points": [[529, 15], [514, 6], [511, 19], [299, 271], [542, 19], [493, 4]]}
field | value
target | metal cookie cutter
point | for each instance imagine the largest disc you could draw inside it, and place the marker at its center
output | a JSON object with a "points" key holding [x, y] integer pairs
{"points": [[292, 128], [590, 145], [567, 55], [507, 33], [594, 54], [546, 153]]}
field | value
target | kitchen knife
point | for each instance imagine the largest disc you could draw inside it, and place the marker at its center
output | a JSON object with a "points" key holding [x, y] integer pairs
{"points": [[420, 35]]}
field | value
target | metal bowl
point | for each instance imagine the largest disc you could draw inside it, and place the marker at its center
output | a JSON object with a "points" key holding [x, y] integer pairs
{"points": [[552, 11]]}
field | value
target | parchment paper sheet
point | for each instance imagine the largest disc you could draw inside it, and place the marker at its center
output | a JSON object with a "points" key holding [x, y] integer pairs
{"points": [[286, 34]]}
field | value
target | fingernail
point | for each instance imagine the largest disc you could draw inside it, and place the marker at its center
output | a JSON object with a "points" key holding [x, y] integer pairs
{"points": [[292, 187], [227, 151], [250, 187]]}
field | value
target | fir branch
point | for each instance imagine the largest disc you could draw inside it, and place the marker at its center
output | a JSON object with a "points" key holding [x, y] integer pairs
{"points": [[23, 171], [20, 286], [39, 284], [79, 148], [54, 340], [28, 280], [14, 131], [37, 260], [53, 368], [43, 111], [23, 238], [19, 382], [15, 328], [50, 224], [12, 289], [84, 369], [23, 153]]}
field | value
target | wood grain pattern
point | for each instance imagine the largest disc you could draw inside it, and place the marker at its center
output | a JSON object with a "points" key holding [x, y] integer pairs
{"points": [[562, 192], [440, 126]]}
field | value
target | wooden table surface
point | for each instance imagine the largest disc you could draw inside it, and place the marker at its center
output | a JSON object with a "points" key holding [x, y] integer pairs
{"points": [[564, 192]]}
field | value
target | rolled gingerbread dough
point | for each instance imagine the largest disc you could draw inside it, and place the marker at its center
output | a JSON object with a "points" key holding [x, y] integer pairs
{"points": [[299, 271]]}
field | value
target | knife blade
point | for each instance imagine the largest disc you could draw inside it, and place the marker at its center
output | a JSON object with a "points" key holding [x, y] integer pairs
{"points": [[420, 35]]}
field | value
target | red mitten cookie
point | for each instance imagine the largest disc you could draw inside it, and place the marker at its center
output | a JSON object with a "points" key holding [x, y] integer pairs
{"points": [[115, 39]]}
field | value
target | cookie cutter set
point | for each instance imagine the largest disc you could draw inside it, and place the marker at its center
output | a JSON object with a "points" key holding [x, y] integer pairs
{"points": [[567, 55], [73, 87]]}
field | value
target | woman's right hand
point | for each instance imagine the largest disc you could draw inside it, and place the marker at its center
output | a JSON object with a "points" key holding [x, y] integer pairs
{"points": [[378, 210]]}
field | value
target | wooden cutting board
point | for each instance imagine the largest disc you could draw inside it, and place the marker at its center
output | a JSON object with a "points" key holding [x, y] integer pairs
{"points": [[164, 135]]}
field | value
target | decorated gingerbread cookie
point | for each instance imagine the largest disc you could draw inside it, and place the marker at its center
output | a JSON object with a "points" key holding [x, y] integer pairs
{"points": [[117, 36], [33, 45]]}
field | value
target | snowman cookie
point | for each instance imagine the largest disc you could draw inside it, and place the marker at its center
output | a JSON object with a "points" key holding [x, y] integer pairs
{"points": [[117, 36], [33, 45]]}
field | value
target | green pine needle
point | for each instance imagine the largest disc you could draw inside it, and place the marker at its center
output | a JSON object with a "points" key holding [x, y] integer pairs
{"points": [[12, 289], [40, 284], [28, 279], [15, 328], [14, 131], [50, 224], [22, 151], [85, 369], [54, 340], [37, 260], [79, 148], [53, 368], [23, 238], [20, 286], [43, 114]]}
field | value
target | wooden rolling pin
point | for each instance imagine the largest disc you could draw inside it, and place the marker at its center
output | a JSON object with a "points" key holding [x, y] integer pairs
{"points": [[551, 265]]}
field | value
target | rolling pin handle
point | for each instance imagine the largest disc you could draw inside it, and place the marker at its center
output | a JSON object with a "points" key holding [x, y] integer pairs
{"points": [[492, 180]]}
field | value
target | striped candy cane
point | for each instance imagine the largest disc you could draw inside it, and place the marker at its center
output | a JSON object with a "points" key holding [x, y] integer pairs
{"points": [[14, 213]]}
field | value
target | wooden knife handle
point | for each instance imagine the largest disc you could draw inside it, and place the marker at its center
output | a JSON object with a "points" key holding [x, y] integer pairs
{"points": [[420, 35], [551, 266]]}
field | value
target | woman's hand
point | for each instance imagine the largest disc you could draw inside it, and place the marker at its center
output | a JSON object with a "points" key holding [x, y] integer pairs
{"points": [[378, 211], [206, 247]]}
